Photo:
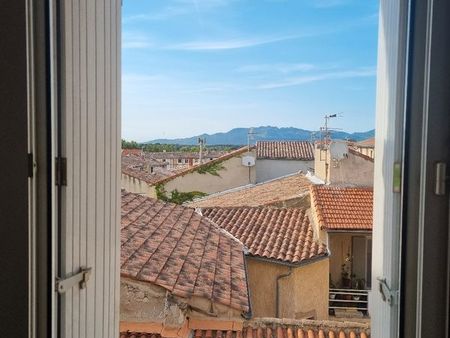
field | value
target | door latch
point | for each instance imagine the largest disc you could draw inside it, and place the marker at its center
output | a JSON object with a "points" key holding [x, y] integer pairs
{"points": [[81, 278], [387, 294]]}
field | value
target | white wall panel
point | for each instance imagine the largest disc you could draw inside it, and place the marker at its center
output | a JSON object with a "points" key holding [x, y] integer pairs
{"points": [[90, 108]]}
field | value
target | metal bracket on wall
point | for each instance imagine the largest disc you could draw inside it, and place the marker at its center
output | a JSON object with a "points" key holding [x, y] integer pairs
{"points": [[387, 294], [81, 278], [441, 179]]}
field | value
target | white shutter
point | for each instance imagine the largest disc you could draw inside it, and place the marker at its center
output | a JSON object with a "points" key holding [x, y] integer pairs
{"points": [[90, 109], [392, 45]]}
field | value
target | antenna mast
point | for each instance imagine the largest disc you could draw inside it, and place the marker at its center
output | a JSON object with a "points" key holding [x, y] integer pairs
{"points": [[201, 141]]}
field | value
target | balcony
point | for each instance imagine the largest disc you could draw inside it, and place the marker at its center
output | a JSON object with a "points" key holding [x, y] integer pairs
{"points": [[349, 302]]}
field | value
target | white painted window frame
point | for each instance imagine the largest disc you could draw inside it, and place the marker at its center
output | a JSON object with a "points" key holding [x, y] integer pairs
{"points": [[389, 137]]}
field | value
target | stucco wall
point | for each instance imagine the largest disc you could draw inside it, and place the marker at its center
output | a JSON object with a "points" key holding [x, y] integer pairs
{"points": [[303, 294], [148, 303], [233, 175], [135, 185], [353, 169], [270, 169]]}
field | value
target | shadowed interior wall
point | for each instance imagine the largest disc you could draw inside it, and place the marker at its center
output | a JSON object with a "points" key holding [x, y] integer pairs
{"points": [[13, 178]]}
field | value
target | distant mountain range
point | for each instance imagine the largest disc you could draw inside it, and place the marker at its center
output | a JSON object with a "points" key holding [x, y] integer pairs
{"points": [[238, 136]]}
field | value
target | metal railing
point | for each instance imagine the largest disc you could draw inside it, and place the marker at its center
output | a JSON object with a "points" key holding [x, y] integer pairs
{"points": [[348, 299]]}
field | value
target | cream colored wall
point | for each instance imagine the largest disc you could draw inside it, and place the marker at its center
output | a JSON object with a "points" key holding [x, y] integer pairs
{"points": [[233, 175], [320, 164], [135, 185], [310, 296], [353, 169], [303, 294]]}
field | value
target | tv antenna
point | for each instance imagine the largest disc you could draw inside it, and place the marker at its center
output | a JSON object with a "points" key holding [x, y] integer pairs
{"points": [[326, 130], [201, 142], [250, 134]]}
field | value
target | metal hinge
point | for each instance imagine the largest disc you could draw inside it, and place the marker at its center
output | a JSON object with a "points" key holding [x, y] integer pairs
{"points": [[81, 278], [61, 171], [387, 294]]}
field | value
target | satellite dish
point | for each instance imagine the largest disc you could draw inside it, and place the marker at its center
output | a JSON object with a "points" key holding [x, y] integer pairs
{"points": [[248, 161]]}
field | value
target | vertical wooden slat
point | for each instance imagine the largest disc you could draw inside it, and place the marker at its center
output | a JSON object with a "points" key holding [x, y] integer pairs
{"points": [[101, 255], [91, 132], [68, 213]]}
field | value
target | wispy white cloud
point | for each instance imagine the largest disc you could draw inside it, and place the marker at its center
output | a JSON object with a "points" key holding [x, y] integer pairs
{"points": [[176, 8], [276, 68], [132, 40], [299, 80], [233, 43], [329, 3]]}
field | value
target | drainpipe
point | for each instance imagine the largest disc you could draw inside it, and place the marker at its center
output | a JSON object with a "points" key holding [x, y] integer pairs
{"points": [[284, 275]]}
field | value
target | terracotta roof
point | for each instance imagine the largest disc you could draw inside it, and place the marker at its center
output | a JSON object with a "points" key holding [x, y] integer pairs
{"points": [[283, 235], [282, 328], [174, 247], [370, 143], [266, 193], [220, 159], [287, 150], [343, 208], [134, 152], [137, 167], [291, 328], [184, 154], [129, 334], [357, 153]]}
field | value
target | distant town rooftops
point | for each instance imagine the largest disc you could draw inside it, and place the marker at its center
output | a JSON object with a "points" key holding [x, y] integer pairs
{"points": [[175, 248], [195, 168], [343, 208], [267, 193], [285, 150], [368, 143], [278, 234]]}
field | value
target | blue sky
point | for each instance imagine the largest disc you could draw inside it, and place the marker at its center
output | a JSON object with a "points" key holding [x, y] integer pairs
{"points": [[195, 66]]}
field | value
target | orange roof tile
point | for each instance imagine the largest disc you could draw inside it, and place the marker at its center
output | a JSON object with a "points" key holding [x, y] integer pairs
{"points": [[287, 150], [343, 208], [266, 193], [174, 247], [280, 328], [283, 235], [370, 143]]}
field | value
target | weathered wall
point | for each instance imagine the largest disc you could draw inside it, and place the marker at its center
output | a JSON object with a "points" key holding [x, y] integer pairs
{"points": [[321, 164], [350, 170], [270, 169], [142, 302], [303, 294], [354, 169], [234, 174], [135, 185], [310, 297]]}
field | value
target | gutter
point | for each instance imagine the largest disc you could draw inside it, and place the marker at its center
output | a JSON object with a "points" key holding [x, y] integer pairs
{"points": [[277, 301], [249, 314], [291, 265]]}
